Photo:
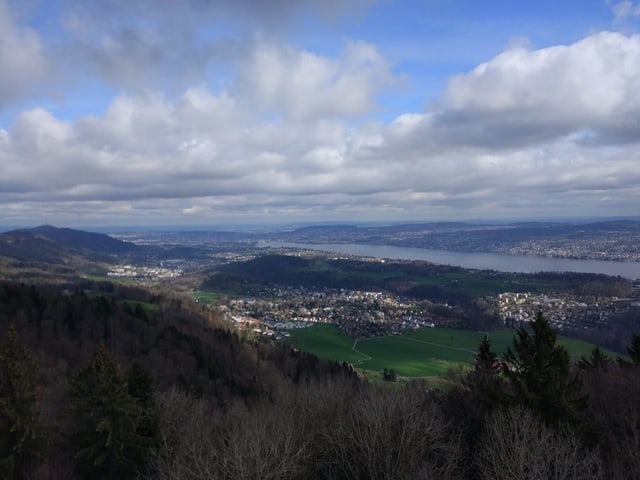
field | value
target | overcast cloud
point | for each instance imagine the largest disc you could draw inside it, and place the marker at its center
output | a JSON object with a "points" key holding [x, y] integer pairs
{"points": [[202, 112]]}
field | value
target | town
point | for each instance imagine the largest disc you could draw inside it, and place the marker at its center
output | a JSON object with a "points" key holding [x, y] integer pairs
{"points": [[357, 313], [271, 310], [563, 311], [362, 314]]}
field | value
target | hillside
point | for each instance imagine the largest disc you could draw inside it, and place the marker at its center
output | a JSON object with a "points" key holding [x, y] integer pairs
{"points": [[81, 241], [178, 341], [194, 399], [48, 254], [24, 246], [47, 244], [164, 345]]}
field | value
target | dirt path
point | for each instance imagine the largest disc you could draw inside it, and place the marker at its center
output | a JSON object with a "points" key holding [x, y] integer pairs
{"points": [[367, 357]]}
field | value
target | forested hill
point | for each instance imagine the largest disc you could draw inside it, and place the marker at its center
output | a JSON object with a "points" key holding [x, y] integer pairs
{"points": [[93, 339], [48, 254], [417, 280], [179, 341], [80, 240], [23, 246], [128, 384], [51, 245]]}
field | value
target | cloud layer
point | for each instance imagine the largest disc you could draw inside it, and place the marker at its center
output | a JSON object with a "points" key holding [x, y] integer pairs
{"points": [[23, 61], [257, 129]]}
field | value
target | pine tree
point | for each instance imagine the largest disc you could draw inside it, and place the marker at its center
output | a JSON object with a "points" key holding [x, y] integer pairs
{"points": [[21, 431], [108, 437], [539, 372], [597, 361], [486, 359], [634, 350], [389, 375], [484, 380], [140, 384], [140, 387]]}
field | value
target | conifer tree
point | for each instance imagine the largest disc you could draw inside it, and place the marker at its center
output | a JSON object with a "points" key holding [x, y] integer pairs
{"points": [[484, 380], [109, 438], [539, 372], [140, 384], [634, 350], [486, 360], [140, 387], [389, 375], [597, 361], [21, 432]]}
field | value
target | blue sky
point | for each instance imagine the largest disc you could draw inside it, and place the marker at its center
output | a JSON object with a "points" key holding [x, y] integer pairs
{"points": [[210, 112]]}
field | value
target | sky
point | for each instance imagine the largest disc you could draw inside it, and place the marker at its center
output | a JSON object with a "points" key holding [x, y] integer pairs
{"points": [[219, 112]]}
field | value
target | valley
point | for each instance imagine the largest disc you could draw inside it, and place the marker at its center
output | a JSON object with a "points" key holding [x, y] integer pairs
{"points": [[221, 345], [270, 292]]}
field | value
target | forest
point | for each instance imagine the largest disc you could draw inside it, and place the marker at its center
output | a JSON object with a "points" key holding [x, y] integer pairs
{"points": [[104, 381]]}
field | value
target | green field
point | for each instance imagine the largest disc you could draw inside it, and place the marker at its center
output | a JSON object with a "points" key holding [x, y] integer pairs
{"points": [[104, 278], [207, 297], [425, 352], [328, 342], [132, 304]]}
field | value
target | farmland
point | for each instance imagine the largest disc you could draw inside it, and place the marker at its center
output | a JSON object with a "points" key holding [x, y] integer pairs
{"points": [[425, 352]]}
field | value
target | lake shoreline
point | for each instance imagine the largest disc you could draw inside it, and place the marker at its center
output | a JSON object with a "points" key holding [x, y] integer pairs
{"points": [[502, 262]]}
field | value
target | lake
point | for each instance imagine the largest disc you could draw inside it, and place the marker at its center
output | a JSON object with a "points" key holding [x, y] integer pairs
{"points": [[501, 262]]}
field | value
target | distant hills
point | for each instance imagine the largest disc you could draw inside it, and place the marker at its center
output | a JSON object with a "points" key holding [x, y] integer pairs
{"points": [[51, 245], [519, 231], [605, 240], [81, 240], [26, 247]]}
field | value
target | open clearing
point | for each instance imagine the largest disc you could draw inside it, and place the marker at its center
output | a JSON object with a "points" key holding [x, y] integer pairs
{"points": [[425, 352]]}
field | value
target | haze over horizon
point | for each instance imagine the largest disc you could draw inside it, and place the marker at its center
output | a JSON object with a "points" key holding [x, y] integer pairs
{"points": [[206, 112]]}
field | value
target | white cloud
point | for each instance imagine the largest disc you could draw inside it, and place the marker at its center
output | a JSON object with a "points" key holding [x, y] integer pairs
{"points": [[303, 85], [22, 58], [525, 95], [170, 45], [625, 9], [527, 132]]}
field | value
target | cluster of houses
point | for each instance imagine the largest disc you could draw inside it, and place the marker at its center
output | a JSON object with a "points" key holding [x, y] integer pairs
{"points": [[563, 311], [357, 313], [139, 272]]}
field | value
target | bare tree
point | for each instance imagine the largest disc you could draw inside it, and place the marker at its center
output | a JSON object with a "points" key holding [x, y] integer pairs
{"points": [[517, 444], [391, 434], [614, 415], [199, 441], [188, 439], [266, 442]]}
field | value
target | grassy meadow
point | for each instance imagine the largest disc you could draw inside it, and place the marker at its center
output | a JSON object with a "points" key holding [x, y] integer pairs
{"points": [[207, 297], [426, 352]]}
